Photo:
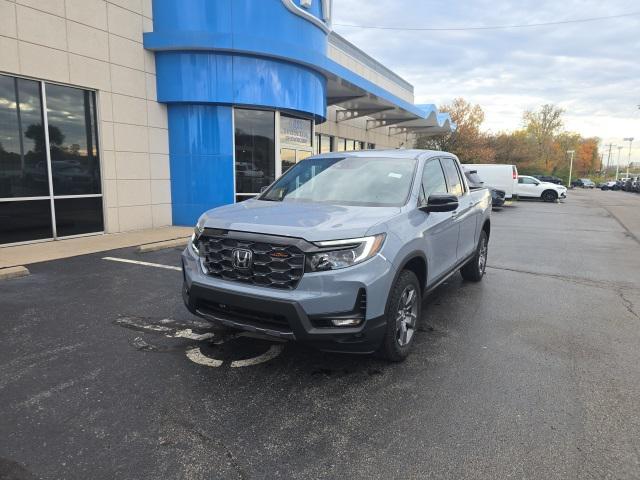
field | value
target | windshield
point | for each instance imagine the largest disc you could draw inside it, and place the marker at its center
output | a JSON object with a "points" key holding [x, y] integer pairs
{"points": [[358, 181]]}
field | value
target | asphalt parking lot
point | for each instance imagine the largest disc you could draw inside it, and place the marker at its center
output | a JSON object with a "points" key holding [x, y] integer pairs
{"points": [[533, 373]]}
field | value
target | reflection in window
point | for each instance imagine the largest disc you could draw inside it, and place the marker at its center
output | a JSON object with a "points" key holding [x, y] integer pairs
{"points": [[23, 160], [453, 176], [73, 140], [323, 143], [432, 180], [288, 158], [255, 150]]}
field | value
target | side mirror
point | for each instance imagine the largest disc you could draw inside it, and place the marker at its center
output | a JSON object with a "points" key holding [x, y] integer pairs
{"points": [[440, 203]]}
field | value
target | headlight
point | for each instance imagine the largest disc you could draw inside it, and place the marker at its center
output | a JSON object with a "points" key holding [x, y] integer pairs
{"points": [[197, 231], [337, 254]]}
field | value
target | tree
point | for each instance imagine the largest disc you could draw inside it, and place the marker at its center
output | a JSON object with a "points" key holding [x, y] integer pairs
{"points": [[543, 125], [468, 142]]}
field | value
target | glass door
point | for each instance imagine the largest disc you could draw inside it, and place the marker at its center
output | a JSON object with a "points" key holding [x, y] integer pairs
{"points": [[295, 140], [254, 151]]}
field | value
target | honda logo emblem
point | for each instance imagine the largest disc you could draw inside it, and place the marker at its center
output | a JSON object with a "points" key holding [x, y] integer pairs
{"points": [[242, 258]]}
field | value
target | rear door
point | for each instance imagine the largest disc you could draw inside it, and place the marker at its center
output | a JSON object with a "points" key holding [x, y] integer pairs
{"points": [[466, 215], [440, 231]]}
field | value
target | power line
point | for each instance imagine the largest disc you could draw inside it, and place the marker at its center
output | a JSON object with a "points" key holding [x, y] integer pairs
{"points": [[491, 27]]}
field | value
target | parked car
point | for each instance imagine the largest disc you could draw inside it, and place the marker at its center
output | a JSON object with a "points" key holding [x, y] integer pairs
{"points": [[611, 185], [582, 183], [339, 251], [475, 182], [501, 177], [631, 184], [550, 179], [531, 187]]}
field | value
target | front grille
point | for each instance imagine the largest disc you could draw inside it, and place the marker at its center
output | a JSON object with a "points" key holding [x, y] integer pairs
{"points": [[272, 265]]}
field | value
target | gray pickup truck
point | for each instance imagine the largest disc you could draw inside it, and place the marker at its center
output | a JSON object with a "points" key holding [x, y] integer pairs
{"points": [[340, 250]]}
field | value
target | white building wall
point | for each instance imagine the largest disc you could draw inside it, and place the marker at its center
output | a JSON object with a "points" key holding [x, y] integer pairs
{"points": [[357, 130], [97, 44]]}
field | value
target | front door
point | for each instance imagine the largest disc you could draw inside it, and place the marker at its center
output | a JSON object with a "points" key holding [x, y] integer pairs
{"points": [[528, 187], [466, 215], [440, 231]]}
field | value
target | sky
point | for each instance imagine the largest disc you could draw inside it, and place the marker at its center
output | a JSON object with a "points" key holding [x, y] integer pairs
{"points": [[591, 70]]}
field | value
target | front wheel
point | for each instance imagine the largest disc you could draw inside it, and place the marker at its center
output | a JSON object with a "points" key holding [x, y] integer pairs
{"points": [[474, 269], [403, 312], [549, 196]]}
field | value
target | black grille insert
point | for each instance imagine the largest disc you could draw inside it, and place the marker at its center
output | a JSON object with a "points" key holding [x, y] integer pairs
{"points": [[244, 315], [273, 265]]}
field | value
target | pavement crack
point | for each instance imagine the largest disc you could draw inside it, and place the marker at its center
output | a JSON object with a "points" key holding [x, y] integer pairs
{"points": [[617, 286], [628, 304], [233, 461]]}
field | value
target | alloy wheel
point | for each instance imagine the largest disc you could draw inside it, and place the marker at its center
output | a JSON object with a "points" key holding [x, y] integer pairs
{"points": [[407, 316]]}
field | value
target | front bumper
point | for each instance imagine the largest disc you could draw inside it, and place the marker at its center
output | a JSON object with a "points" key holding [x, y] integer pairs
{"points": [[301, 314], [279, 319]]}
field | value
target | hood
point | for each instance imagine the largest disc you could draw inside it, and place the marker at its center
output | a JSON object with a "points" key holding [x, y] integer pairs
{"points": [[312, 221]]}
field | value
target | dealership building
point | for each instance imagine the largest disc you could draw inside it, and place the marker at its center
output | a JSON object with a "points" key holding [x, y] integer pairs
{"points": [[122, 115]]}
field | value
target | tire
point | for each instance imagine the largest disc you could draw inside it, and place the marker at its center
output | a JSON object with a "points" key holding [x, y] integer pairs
{"points": [[549, 196], [474, 269], [403, 314]]}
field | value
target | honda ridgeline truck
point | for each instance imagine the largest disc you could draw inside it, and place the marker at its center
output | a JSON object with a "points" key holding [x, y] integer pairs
{"points": [[340, 250]]}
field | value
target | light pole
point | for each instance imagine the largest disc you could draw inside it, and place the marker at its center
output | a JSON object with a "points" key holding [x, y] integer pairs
{"points": [[571, 152], [630, 140]]}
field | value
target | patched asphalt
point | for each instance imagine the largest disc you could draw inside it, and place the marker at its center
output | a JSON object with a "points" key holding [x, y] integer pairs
{"points": [[533, 373]]}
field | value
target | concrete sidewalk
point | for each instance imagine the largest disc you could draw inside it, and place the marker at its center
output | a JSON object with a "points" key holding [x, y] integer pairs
{"points": [[53, 250]]}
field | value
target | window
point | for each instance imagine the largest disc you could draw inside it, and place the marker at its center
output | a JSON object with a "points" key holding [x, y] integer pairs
{"points": [[255, 150], [340, 144], [372, 182], [527, 181], [453, 176], [75, 166], [325, 144], [371, 146], [42, 176], [432, 179]]}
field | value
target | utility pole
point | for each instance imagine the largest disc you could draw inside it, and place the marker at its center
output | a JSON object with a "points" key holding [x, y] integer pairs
{"points": [[572, 152], [630, 140], [608, 156], [618, 162]]}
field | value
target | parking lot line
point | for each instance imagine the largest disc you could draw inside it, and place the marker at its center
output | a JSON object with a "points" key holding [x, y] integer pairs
{"points": [[146, 264]]}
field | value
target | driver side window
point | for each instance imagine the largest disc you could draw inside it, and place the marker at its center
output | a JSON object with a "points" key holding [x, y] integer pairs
{"points": [[527, 181], [432, 180]]}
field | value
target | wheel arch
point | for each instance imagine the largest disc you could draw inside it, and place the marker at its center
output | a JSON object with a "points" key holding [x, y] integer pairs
{"points": [[486, 228], [417, 263]]}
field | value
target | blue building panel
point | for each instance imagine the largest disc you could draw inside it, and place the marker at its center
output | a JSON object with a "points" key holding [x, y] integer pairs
{"points": [[201, 159], [212, 55]]}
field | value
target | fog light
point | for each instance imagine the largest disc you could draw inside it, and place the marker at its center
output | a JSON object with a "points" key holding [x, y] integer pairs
{"points": [[346, 322]]}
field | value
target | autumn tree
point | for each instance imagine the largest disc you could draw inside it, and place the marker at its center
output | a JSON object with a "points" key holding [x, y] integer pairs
{"points": [[468, 142], [543, 125]]}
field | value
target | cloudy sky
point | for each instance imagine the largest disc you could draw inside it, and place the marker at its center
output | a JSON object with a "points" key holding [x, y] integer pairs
{"points": [[592, 70]]}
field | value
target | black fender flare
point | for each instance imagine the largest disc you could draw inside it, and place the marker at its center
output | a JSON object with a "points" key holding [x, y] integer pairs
{"points": [[405, 261]]}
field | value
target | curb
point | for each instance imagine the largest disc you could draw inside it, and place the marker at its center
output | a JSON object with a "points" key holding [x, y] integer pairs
{"points": [[152, 247], [13, 272]]}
